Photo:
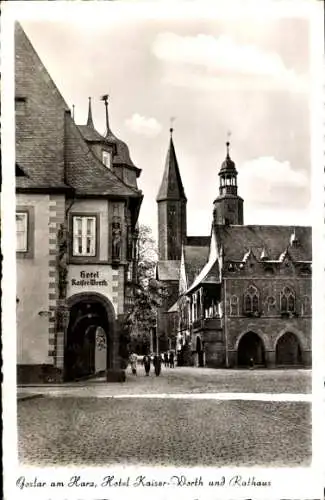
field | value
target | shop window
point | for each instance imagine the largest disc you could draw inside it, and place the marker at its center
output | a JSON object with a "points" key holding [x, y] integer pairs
{"points": [[84, 236]]}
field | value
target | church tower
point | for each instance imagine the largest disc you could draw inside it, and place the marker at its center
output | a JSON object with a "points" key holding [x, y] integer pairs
{"points": [[228, 207], [171, 202]]}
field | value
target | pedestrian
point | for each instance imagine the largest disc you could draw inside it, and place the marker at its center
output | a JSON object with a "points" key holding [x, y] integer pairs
{"points": [[171, 359], [157, 364], [166, 359], [133, 362], [251, 363], [146, 362]]}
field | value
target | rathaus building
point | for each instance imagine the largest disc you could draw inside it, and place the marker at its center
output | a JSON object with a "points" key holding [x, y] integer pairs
{"points": [[239, 296]]}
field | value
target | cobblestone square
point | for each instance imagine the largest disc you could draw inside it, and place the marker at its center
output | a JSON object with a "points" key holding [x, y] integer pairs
{"points": [[188, 380], [181, 432]]}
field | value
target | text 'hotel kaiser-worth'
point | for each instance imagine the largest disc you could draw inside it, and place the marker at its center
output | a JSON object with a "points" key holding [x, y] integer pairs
{"points": [[76, 222]]}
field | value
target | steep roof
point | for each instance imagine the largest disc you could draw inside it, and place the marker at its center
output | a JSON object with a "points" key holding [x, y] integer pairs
{"points": [[90, 134], [85, 172], [50, 148], [272, 240], [40, 112], [171, 187], [195, 257]]}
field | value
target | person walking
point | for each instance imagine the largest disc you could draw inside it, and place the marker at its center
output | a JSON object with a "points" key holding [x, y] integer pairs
{"points": [[157, 364], [133, 362], [147, 363], [166, 359], [171, 359]]}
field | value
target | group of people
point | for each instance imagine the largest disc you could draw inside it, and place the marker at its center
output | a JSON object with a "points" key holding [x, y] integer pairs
{"points": [[157, 360], [169, 359]]}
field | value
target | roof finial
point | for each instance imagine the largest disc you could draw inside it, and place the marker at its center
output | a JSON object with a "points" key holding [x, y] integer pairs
{"points": [[73, 106], [228, 142], [90, 122], [105, 99], [171, 130]]}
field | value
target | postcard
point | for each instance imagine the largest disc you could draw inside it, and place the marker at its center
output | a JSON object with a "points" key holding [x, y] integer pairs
{"points": [[163, 305]]}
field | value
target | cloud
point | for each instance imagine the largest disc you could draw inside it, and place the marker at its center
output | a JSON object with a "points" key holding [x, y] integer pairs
{"points": [[142, 125], [224, 61], [266, 180]]}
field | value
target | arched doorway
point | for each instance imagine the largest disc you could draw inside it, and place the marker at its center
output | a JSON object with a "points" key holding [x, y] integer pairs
{"points": [[288, 350], [199, 350], [250, 349], [89, 313]]}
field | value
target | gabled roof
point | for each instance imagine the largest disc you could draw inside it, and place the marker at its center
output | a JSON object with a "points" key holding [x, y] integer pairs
{"points": [[236, 241], [171, 187], [168, 270], [50, 148], [195, 257]]}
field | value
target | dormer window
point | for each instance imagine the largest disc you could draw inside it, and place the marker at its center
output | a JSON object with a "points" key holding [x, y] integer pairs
{"points": [[107, 158]]}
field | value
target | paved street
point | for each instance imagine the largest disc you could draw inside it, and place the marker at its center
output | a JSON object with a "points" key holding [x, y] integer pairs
{"points": [[189, 380], [181, 432]]}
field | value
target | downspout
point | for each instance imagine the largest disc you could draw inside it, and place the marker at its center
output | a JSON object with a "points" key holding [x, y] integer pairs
{"points": [[225, 323]]}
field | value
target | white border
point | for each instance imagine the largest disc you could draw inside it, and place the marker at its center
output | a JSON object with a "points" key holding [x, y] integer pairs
{"points": [[287, 483]]}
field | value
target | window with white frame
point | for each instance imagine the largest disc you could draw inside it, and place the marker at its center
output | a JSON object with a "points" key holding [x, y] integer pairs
{"points": [[21, 231], [107, 158], [84, 236]]}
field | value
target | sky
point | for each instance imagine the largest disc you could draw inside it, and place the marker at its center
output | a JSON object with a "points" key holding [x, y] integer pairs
{"points": [[211, 76]]}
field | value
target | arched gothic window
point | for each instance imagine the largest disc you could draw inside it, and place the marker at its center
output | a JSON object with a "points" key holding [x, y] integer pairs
{"points": [[287, 300], [251, 300]]}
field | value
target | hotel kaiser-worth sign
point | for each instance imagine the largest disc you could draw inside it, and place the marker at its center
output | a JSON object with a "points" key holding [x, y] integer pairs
{"points": [[87, 278]]}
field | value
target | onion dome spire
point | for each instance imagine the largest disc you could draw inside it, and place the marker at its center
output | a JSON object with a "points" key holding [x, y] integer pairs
{"points": [[90, 122], [228, 175]]}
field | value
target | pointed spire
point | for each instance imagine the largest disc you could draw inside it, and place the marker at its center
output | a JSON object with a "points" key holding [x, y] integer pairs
{"points": [[90, 122], [264, 254], [171, 187], [105, 99], [293, 238]]}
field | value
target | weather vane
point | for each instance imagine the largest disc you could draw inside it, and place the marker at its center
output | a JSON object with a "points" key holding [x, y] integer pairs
{"points": [[105, 99], [228, 141], [171, 120]]}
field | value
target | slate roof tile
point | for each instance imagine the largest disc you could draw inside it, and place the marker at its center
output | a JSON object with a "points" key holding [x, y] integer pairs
{"points": [[238, 240]]}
